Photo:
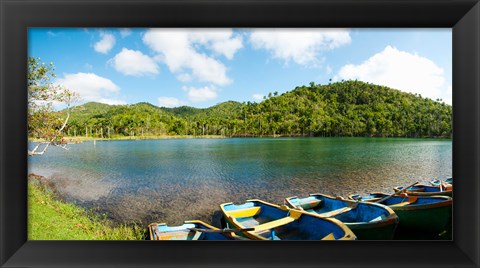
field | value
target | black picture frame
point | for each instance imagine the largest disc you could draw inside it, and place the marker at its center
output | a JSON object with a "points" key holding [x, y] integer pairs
{"points": [[463, 16]]}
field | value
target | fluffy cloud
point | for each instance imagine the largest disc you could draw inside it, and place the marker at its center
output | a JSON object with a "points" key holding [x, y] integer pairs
{"points": [[200, 94], [183, 51], [105, 44], [220, 41], [169, 102], [91, 87], [134, 63], [302, 46], [401, 70]]}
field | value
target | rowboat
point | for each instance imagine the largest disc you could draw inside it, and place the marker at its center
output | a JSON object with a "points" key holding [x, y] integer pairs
{"points": [[272, 222], [427, 213], [368, 221], [438, 182], [427, 190], [189, 230]]}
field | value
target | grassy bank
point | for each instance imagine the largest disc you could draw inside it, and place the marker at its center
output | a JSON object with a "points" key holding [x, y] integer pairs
{"points": [[51, 219]]}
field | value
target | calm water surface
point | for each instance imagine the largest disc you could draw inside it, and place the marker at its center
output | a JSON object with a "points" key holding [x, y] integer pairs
{"points": [[174, 180]]}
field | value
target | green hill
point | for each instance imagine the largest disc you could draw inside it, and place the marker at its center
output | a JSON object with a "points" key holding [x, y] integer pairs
{"points": [[347, 108]]}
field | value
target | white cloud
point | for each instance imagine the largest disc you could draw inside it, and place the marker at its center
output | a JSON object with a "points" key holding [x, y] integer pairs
{"points": [[400, 70], [257, 97], [169, 102], [134, 63], [105, 44], [124, 32], [302, 46], [91, 87], [200, 94], [183, 51], [220, 41]]}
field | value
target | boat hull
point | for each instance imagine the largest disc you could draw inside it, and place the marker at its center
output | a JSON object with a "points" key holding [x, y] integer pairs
{"points": [[430, 219], [374, 232]]}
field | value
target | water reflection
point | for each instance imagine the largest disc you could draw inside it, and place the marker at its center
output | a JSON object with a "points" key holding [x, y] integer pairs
{"points": [[176, 180]]}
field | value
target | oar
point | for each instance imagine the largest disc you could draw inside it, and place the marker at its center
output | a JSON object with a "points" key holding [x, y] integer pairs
{"points": [[397, 192], [221, 230]]}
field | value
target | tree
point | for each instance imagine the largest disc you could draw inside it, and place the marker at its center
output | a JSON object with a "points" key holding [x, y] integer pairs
{"points": [[44, 123]]}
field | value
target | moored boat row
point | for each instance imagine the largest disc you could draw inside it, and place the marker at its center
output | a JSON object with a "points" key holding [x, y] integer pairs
{"points": [[374, 216]]}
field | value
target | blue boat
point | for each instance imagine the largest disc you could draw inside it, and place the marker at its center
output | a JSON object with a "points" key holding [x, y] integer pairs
{"points": [[272, 222], [190, 230], [368, 221], [427, 190], [425, 213]]}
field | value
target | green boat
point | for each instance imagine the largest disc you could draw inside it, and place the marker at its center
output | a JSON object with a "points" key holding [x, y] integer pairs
{"points": [[427, 190], [425, 213], [368, 221]]}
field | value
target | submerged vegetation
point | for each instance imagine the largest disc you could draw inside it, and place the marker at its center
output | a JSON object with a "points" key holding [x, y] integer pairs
{"points": [[52, 219], [347, 108]]}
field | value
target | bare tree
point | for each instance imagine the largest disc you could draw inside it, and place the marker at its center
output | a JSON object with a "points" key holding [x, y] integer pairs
{"points": [[44, 123]]}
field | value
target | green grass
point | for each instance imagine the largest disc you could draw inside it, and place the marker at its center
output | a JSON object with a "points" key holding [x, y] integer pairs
{"points": [[51, 219]]}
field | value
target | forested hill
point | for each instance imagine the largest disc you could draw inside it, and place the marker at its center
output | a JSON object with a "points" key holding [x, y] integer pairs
{"points": [[347, 108]]}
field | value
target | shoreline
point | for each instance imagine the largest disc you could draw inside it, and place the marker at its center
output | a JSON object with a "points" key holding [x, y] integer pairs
{"points": [[80, 139]]}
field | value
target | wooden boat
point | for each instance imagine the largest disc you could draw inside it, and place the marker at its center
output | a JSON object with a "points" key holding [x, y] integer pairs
{"points": [[190, 230], [438, 182], [368, 221], [427, 190], [428, 213], [272, 222]]}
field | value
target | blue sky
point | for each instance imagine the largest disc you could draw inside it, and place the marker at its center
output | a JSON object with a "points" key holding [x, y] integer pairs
{"points": [[203, 67]]}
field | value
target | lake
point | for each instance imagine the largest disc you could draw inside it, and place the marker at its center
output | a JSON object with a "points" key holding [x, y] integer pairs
{"points": [[173, 180]]}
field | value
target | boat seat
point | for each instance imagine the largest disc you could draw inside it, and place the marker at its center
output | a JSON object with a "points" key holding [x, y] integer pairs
{"points": [[400, 204], [310, 204], [335, 212], [379, 218], [196, 236], [244, 212], [273, 224], [412, 199], [330, 236]]}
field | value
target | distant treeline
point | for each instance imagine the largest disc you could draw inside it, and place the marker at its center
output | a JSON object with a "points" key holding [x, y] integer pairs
{"points": [[347, 108]]}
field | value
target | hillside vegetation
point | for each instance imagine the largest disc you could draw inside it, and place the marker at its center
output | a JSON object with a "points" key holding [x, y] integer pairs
{"points": [[347, 108]]}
